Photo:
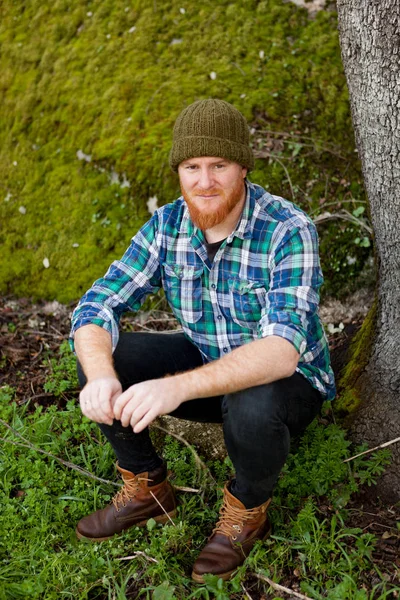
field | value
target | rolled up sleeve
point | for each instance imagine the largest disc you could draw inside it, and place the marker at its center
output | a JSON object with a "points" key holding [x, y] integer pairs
{"points": [[124, 287], [293, 295]]}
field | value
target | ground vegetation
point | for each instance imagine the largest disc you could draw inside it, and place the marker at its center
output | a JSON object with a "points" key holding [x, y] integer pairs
{"points": [[330, 540]]}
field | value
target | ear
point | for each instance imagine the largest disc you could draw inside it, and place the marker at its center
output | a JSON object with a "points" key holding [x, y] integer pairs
{"points": [[244, 172]]}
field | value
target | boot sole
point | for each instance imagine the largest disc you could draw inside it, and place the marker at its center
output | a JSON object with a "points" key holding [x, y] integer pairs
{"points": [[164, 518], [224, 576], [228, 574]]}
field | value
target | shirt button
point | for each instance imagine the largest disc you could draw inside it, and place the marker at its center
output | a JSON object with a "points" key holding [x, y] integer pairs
{"points": [[225, 349], [213, 286], [219, 317]]}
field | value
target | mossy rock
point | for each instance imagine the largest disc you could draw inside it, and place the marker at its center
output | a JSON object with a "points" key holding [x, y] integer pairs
{"points": [[89, 94]]}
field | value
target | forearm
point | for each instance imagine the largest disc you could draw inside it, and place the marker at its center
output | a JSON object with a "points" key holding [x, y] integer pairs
{"points": [[257, 363], [93, 347]]}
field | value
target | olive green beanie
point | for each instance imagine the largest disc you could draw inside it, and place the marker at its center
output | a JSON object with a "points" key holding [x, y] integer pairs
{"points": [[211, 128]]}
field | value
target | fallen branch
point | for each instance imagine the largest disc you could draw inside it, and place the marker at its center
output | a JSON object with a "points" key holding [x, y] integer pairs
{"points": [[373, 449], [281, 588], [66, 463], [197, 458]]}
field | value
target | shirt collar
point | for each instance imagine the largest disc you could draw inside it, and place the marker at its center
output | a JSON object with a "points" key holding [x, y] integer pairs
{"points": [[245, 223]]}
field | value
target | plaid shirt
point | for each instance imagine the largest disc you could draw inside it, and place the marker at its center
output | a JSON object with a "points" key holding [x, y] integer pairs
{"points": [[264, 280]]}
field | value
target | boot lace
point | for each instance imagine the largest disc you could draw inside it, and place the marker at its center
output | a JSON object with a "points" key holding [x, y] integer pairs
{"points": [[129, 490], [233, 520]]}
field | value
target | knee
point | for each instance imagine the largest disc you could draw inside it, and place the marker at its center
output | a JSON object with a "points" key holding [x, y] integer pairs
{"points": [[258, 407], [81, 375]]}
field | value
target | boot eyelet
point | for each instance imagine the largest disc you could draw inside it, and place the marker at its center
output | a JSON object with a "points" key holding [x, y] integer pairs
{"points": [[234, 537]]}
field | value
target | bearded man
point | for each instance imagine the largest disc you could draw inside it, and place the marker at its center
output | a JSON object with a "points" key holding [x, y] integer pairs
{"points": [[240, 270]]}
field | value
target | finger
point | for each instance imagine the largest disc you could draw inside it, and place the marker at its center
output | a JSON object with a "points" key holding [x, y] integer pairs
{"points": [[145, 421], [138, 413], [114, 398], [91, 407], [104, 405], [121, 402], [85, 402], [128, 411]]}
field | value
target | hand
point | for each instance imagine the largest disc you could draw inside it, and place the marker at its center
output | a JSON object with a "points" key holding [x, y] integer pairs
{"points": [[97, 397], [140, 404]]}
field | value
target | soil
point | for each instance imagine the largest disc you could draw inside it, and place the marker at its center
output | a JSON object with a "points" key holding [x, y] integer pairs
{"points": [[31, 333]]}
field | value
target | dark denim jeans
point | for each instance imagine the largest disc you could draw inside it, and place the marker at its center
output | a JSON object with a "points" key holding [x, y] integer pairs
{"points": [[258, 422]]}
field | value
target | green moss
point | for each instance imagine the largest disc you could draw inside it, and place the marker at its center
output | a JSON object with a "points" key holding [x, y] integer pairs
{"points": [[359, 353], [71, 80]]}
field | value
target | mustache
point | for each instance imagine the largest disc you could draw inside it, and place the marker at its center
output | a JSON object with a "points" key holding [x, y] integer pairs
{"points": [[208, 192]]}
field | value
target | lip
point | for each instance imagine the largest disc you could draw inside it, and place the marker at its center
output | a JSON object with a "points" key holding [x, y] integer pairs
{"points": [[211, 196]]}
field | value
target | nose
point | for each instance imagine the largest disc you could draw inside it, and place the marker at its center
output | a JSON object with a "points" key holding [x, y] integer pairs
{"points": [[206, 180]]}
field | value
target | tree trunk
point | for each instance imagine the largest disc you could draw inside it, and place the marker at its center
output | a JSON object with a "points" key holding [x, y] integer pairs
{"points": [[370, 42]]}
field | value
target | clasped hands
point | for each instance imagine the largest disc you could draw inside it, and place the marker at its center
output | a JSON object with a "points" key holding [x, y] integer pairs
{"points": [[102, 401]]}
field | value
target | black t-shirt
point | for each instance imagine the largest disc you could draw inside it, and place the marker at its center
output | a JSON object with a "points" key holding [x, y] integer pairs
{"points": [[212, 249]]}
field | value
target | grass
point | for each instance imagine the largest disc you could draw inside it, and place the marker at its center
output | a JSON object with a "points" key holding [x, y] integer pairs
{"points": [[41, 501]]}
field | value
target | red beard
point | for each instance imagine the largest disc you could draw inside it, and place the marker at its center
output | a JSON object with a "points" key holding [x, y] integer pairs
{"points": [[220, 208]]}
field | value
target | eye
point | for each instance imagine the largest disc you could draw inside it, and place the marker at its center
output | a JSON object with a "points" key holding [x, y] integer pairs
{"points": [[219, 166]]}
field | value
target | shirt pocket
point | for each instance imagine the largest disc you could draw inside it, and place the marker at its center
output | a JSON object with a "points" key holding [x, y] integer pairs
{"points": [[247, 300], [183, 289]]}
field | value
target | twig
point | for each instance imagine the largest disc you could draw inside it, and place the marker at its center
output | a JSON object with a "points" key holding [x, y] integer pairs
{"points": [[138, 553], [239, 68], [373, 449], [66, 463], [56, 330], [136, 324], [38, 353], [380, 525], [345, 215], [41, 395], [325, 148], [247, 593], [185, 489], [197, 458], [286, 171], [163, 509], [42, 333], [281, 588]]}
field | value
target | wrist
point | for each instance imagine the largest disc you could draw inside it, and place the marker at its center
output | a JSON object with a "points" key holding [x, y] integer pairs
{"points": [[100, 373], [187, 386]]}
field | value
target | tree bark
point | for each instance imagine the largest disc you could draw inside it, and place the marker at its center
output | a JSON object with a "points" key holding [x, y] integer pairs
{"points": [[370, 42]]}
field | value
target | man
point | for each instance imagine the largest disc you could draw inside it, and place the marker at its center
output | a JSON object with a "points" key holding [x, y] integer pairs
{"points": [[240, 270]]}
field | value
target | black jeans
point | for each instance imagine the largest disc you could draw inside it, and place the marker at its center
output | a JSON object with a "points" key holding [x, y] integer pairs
{"points": [[258, 422]]}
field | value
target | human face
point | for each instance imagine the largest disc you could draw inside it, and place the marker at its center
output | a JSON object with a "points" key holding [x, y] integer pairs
{"points": [[213, 188]]}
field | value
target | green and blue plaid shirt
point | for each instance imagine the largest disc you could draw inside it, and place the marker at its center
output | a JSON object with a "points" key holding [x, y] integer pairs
{"points": [[264, 280]]}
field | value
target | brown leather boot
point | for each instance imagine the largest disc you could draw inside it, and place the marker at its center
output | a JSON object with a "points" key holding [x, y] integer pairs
{"points": [[144, 496], [232, 539]]}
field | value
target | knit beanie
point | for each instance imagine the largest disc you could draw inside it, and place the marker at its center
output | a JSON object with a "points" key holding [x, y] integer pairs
{"points": [[211, 128]]}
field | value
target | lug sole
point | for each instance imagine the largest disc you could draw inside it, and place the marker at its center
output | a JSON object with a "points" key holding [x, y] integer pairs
{"points": [[225, 576], [164, 518], [228, 574]]}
